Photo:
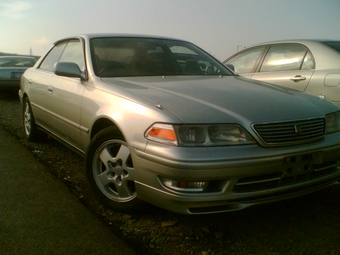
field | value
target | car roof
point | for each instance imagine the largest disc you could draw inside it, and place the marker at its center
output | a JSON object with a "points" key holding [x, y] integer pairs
{"points": [[122, 35], [302, 41]]}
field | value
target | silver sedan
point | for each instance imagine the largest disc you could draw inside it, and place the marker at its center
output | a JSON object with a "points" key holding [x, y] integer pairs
{"points": [[159, 120], [312, 66]]}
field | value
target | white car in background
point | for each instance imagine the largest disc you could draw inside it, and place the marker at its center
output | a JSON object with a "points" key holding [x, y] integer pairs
{"points": [[312, 66]]}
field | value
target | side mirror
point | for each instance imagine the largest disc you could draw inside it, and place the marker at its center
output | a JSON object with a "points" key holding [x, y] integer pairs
{"points": [[230, 66], [68, 69]]}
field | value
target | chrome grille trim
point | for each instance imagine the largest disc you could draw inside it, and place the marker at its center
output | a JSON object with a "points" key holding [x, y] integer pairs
{"points": [[292, 132], [329, 170]]}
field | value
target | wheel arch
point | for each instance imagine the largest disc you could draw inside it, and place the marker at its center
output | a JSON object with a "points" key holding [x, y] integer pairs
{"points": [[24, 96], [103, 123]]}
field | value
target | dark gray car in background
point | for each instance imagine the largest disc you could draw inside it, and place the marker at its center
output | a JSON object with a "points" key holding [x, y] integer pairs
{"points": [[11, 70], [160, 120]]}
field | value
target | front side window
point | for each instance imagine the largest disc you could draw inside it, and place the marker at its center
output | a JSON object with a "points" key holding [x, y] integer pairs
{"points": [[73, 53], [121, 57], [68, 51], [245, 61], [284, 58], [52, 57]]}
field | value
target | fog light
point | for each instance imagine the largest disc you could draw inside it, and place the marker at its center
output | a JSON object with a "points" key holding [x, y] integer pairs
{"points": [[186, 186]]}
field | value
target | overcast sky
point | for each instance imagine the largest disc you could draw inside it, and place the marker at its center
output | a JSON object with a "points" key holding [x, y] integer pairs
{"points": [[218, 26]]}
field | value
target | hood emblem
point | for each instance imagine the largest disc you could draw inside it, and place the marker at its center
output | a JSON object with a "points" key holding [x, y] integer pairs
{"points": [[159, 106]]}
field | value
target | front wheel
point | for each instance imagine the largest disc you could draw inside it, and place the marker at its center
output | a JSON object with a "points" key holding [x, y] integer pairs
{"points": [[31, 130], [110, 171]]}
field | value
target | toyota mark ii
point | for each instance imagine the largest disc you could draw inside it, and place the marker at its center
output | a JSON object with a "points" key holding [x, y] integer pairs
{"points": [[159, 120]]}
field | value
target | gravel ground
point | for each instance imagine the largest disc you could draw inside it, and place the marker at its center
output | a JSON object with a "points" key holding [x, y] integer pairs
{"points": [[306, 225]]}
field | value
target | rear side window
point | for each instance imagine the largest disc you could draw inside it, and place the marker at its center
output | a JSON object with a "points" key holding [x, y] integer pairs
{"points": [[245, 61], [287, 57]]}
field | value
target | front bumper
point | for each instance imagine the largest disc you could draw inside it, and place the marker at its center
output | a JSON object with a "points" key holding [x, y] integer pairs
{"points": [[21, 97], [236, 177]]}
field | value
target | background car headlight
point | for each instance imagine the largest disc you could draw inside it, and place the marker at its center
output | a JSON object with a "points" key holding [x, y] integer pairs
{"points": [[199, 135], [333, 122]]}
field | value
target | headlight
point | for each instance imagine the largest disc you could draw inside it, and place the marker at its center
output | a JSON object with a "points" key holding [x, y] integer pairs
{"points": [[162, 133], [199, 135], [333, 122]]}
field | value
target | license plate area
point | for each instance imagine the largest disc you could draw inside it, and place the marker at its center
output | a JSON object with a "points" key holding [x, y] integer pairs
{"points": [[16, 75], [302, 163]]}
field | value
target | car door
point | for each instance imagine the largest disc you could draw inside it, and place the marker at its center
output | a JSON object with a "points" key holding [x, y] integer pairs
{"points": [[57, 99], [289, 65]]}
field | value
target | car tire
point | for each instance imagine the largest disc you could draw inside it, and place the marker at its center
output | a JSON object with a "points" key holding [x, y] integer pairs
{"points": [[110, 171], [31, 130]]}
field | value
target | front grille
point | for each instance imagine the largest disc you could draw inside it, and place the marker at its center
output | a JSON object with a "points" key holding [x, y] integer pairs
{"points": [[279, 133]]}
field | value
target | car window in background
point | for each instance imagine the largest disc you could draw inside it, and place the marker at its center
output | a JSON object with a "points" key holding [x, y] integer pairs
{"points": [[245, 62], [284, 58], [52, 57], [17, 62], [73, 53], [308, 62], [334, 45]]}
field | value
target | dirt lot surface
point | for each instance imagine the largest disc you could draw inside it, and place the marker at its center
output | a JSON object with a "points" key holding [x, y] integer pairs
{"points": [[306, 225]]}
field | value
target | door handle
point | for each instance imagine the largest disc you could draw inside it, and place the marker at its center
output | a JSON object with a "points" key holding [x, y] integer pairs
{"points": [[50, 89], [298, 78]]}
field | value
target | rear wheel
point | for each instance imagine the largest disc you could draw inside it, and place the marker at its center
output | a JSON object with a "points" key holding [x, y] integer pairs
{"points": [[31, 131], [110, 171]]}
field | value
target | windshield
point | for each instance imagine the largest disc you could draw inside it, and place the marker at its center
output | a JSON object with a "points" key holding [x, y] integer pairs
{"points": [[117, 57]]}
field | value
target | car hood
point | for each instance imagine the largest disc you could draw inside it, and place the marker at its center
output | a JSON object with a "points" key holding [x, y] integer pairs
{"points": [[214, 99]]}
